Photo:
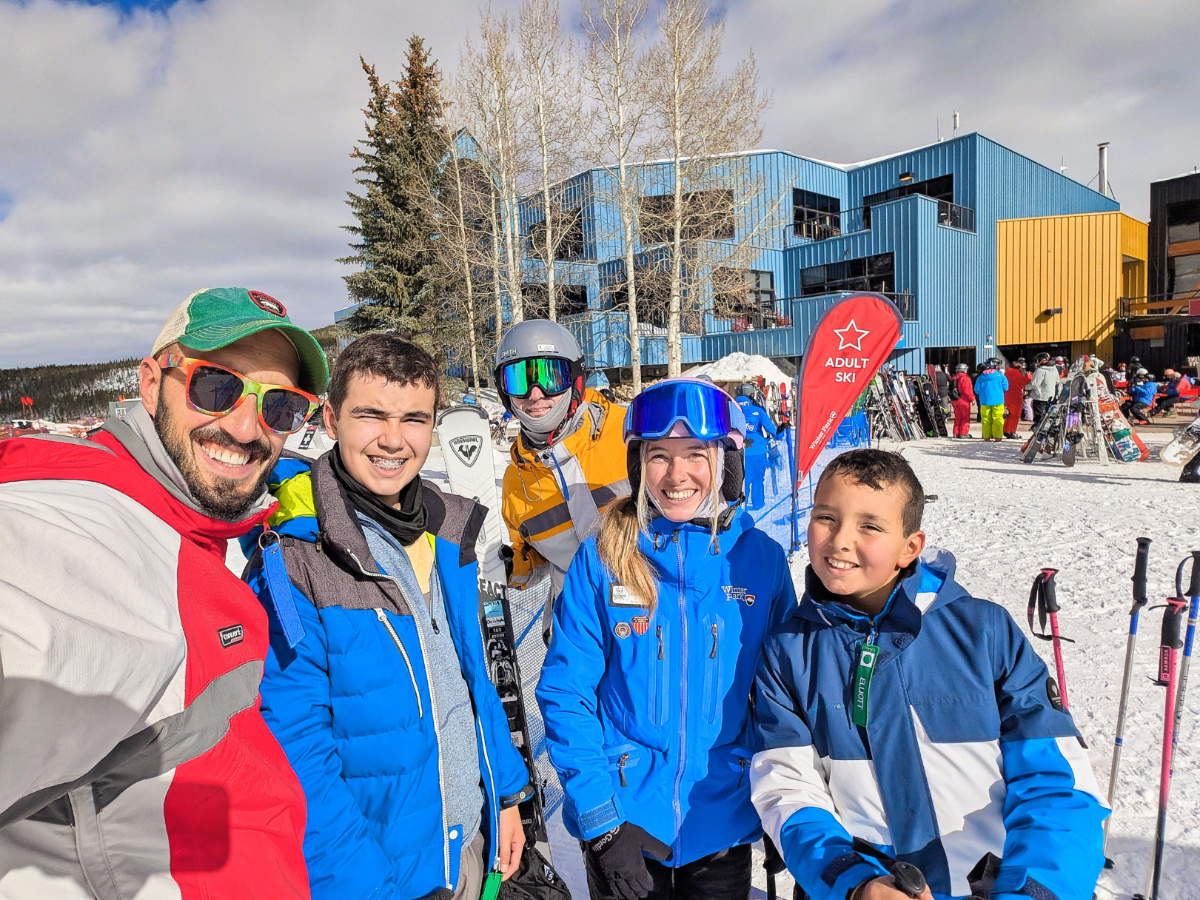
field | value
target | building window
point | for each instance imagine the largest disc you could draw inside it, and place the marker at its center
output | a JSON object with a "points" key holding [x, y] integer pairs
{"points": [[572, 299], [568, 235], [871, 273], [940, 189], [747, 296], [1183, 250], [815, 216], [707, 215]]}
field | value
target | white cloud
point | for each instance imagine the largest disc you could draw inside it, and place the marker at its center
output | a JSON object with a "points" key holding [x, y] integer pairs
{"points": [[147, 156]]}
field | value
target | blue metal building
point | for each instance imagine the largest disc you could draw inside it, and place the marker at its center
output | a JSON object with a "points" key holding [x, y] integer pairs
{"points": [[920, 225]]}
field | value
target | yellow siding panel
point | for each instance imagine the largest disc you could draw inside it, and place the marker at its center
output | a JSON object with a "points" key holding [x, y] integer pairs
{"points": [[1072, 263], [1135, 238]]}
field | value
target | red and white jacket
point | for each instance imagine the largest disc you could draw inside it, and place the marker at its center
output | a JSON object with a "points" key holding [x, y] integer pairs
{"points": [[134, 761]]}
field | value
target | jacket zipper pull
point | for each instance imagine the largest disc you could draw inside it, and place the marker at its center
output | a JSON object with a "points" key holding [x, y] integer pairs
{"points": [[713, 655], [742, 763], [621, 768], [434, 623], [660, 643]]}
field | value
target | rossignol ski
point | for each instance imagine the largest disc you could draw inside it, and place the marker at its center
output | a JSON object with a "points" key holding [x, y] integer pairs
{"points": [[464, 434]]}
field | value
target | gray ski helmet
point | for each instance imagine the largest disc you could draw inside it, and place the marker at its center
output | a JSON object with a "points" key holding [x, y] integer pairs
{"points": [[539, 339], [747, 389], [962, 367]]}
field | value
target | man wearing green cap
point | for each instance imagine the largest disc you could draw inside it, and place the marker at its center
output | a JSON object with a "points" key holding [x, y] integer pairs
{"points": [[136, 761]]}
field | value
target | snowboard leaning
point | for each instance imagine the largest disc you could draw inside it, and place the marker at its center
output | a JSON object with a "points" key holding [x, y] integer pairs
{"points": [[1185, 445]]}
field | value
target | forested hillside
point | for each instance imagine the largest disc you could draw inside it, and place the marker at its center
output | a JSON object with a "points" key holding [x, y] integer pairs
{"points": [[61, 393]]}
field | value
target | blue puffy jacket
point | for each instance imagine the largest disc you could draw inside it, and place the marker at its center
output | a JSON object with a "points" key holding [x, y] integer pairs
{"points": [[1144, 393], [758, 427], [990, 388], [647, 713], [963, 752], [351, 705]]}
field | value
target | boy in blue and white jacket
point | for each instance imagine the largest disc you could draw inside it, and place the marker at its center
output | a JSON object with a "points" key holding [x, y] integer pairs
{"points": [[900, 717]]}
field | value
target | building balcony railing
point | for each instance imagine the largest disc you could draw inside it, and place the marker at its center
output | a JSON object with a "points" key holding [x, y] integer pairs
{"points": [[778, 314], [821, 226], [1178, 304]]}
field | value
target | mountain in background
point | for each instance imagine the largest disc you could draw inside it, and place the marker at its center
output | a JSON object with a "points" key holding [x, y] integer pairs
{"points": [[62, 393]]}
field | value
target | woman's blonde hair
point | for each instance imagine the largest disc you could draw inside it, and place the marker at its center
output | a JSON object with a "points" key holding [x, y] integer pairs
{"points": [[626, 519]]}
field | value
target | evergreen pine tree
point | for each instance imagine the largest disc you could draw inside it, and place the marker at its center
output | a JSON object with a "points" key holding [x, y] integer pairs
{"points": [[397, 168]]}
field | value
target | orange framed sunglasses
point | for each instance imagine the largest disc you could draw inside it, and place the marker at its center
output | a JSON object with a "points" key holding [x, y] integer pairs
{"points": [[217, 391]]}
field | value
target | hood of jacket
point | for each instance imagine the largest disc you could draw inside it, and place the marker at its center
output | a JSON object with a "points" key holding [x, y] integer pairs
{"points": [[595, 411]]}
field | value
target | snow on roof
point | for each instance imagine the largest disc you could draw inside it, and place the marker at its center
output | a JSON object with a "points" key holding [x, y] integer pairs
{"points": [[740, 367]]}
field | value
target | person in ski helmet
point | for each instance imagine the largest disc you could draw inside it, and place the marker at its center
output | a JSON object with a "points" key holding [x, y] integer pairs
{"points": [[961, 397], [567, 463], [760, 439], [645, 691], [990, 388], [1044, 387], [1014, 397]]}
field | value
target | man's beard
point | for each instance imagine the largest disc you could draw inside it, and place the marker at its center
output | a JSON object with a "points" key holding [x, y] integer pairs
{"points": [[227, 499]]}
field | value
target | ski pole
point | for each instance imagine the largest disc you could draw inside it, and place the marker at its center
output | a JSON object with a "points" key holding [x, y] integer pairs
{"points": [[1043, 597], [1139, 601], [1185, 660], [1167, 657], [1051, 602]]}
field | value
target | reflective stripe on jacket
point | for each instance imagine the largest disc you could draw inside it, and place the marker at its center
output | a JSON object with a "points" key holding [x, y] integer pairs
{"points": [[646, 712], [552, 498], [963, 752]]}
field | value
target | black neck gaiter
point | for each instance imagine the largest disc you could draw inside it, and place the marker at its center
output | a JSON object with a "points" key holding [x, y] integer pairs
{"points": [[405, 522]]}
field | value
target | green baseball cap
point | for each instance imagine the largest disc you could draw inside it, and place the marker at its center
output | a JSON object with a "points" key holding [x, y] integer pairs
{"points": [[213, 318]]}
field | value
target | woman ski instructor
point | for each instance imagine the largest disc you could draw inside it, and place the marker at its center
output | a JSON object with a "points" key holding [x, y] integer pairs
{"points": [[645, 691]]}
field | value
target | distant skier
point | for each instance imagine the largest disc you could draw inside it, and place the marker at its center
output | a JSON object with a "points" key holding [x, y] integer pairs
{"points": [[568, 463], [962, 395], [942, 378], [645, 692], [990, 388], [899, 716], [1142, 391], [760, 439], [1044, 387], [1014, 396]]}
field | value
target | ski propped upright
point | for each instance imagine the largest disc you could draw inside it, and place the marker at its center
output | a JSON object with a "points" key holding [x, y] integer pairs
{"points": [[464, 433]]}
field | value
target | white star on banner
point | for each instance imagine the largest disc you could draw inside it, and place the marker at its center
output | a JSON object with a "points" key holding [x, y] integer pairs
{"points": [[852, 341]]}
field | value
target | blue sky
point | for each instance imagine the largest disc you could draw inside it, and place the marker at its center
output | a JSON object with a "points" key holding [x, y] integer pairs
{"points": [[152, 148]]}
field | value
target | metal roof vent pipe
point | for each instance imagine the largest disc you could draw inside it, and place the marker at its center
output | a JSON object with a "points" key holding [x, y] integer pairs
{"points": [[1104, 169]]}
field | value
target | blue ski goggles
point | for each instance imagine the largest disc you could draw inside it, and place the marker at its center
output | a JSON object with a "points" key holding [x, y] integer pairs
{"points": [[703, 409]]}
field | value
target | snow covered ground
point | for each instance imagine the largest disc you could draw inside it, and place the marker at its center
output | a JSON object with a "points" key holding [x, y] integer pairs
{"points": [[1005, 520]]}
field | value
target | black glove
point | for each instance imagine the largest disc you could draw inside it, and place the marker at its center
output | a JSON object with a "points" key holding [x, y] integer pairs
{"points": [[618, 854]]}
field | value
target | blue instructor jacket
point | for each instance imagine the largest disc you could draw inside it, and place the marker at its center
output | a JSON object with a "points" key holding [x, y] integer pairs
{"points": [[647, 711], [963, 753], [990, 388], [758, 427]]}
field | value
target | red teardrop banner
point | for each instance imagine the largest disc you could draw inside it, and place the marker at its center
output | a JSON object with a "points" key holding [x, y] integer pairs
{"points": [[850, 343]]}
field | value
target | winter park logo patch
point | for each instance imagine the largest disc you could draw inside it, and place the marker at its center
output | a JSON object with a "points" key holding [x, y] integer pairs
{"points": [[737, 593], [640, 625], [467, 447]]}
